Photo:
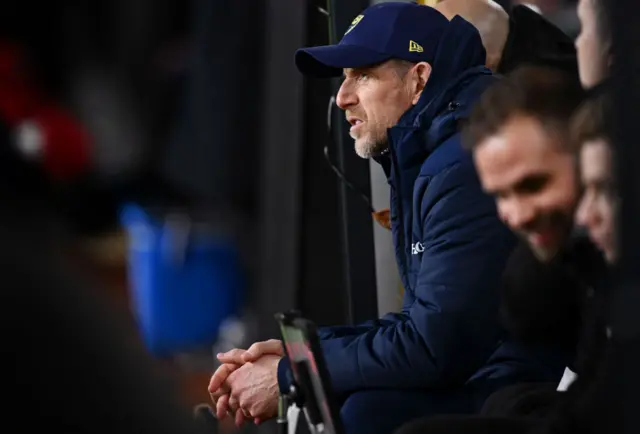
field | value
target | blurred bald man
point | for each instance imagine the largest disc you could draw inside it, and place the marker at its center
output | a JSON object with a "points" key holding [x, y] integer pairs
{"points": [[523, 37]]}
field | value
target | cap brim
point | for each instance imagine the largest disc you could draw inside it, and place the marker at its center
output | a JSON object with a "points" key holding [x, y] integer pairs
{"points": [[330, 60]]}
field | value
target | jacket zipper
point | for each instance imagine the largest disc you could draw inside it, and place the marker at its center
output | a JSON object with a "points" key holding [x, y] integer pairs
{"points": [[398, 204]]}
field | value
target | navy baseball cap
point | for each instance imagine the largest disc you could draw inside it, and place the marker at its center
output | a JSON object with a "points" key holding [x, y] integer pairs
{"points": [[406, 31]]}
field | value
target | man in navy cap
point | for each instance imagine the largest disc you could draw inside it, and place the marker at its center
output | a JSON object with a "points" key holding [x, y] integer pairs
{"points": [[410, 77]]}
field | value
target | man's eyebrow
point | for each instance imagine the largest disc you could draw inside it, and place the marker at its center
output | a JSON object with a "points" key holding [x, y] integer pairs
{"points": [[531, 181], [601, 182], [346, 71]]}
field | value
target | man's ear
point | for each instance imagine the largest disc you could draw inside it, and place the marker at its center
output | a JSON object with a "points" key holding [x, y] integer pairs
{"points": [[421, 73]]}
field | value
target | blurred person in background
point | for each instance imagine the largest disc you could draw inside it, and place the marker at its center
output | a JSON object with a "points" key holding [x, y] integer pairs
{"points": [[594, 43], [512, 39], [599, 204], [410, 364], [562, 13], [577, 410], [528, 163], [587, 405], [541, 302], [74, 365], [518, 134], [72, 362], [520, 137], [583, 407]]}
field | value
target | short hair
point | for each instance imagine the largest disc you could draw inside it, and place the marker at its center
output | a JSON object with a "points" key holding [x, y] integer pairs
{"points": [[592, 120], [401, 66], [550, 95]]}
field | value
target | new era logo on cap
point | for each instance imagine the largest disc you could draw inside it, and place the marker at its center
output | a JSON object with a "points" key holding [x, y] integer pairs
{"points": [[385, 31], [415, 47], [354, 23]]}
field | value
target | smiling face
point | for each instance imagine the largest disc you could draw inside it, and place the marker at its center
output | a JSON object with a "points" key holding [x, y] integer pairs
{"points": [[534, 182], [598, 205], [375, 98], [591, 131]]}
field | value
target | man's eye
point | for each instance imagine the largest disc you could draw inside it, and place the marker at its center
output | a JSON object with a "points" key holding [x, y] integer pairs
{"points": [[532, 184], [499, 195], [362, 76], [606, 189]]}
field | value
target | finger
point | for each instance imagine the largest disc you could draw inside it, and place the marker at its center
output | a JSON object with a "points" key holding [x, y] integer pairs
{"points": [[223, 390], [233, 404], [240, 418], [222, 406], [214, 398], [218, 393], [220, 376], [257, 421], [259, 349], [233, 356]]}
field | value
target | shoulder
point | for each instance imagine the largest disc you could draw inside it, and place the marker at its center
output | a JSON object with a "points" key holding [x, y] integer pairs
{"points": [[448, 161], [448, 185]]}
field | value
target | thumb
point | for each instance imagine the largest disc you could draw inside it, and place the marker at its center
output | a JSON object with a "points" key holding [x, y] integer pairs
{"points": [[259, 349], [220, 376]]}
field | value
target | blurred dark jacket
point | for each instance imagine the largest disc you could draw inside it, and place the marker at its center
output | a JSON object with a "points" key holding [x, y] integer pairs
{"points": [[563, 303], [582, 407], [535, 40], [553, 303], [542, 303]]}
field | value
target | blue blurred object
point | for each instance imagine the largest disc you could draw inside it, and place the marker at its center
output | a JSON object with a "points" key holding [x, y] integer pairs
{"points": [[184, 280]]}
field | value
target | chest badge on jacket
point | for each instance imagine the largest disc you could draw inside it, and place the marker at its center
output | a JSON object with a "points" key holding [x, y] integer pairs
{"points": [[417, 248]]}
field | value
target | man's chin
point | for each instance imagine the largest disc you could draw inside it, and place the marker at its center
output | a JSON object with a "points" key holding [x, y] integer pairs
{"points": [[610, 256], [364, 149], [546, 248], [545, 254]]}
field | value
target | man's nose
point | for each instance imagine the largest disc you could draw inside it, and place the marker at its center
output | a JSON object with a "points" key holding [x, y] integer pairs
{"points": [[517, 214], [584, 213], [346, 96]]}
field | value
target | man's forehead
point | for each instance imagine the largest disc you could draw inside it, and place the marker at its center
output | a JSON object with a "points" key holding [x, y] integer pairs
{"points": [[527, 138], [512, 177], [504, 163], [368, 68], [595, 159]]}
